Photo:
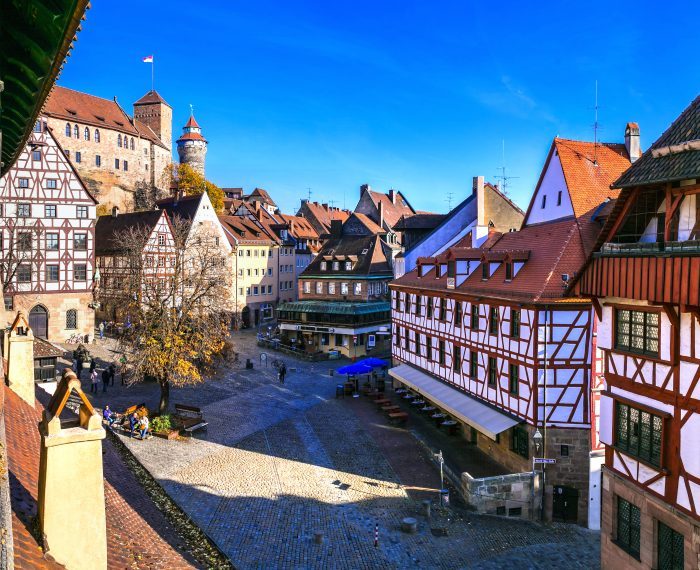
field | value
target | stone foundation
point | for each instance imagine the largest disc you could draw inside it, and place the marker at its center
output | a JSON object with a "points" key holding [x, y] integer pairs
{"points": [[652, 510], [511, 495]]}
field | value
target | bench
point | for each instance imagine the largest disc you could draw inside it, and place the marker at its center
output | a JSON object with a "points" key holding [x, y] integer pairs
{"points": [[382, 401], [190, 417], [398, 417], [391, 408]]}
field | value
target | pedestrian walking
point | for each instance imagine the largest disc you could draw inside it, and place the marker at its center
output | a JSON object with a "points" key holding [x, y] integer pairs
{"points": [[93, 382], [112, 373], [105, 379], [282, 372], [122, 368], [93, 365], [102, 330]]}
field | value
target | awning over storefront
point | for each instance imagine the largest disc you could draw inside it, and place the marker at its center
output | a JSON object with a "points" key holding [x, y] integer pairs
{"points": [[465, 408]]}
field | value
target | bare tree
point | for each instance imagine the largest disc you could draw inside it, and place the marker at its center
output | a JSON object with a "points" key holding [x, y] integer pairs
{"points": [[17, 240], [174, 298]]}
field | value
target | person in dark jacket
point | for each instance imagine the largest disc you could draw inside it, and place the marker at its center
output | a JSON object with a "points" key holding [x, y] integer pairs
{"points": [[105, 379], [112, 373]]}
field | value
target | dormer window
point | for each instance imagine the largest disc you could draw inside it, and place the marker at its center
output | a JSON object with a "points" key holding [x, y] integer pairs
{"points": [[509, 271], [348, 266], [324, 266], [336, 266], [484, 271]]}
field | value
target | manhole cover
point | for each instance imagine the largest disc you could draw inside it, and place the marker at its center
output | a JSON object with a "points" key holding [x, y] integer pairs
{"points": [[439, 531]]}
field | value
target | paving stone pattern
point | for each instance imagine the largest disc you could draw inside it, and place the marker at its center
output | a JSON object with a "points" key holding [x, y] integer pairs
{"points": [[280, 462]]}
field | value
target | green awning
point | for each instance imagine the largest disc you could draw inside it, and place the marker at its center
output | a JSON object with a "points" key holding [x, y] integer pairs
{"points": [[336, 308], [35, 38]]}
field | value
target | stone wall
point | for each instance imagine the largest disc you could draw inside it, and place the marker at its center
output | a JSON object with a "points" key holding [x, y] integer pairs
{"points": [[510, 495], [57, 305], [652, 510]]}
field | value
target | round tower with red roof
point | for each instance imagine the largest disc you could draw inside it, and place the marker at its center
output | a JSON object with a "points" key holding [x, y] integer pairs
{"points": [[192, 146]]}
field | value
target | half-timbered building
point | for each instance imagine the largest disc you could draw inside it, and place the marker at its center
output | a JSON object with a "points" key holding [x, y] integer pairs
{"points": [[644, 280], [118, 263], [490, 334], [47, 239]]}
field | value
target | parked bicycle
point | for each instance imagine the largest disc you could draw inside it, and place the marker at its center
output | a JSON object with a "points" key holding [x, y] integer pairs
{"points": [[74, 339]]}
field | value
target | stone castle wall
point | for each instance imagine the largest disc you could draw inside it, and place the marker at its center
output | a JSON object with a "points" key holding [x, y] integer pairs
{"points": [[510, 495]]}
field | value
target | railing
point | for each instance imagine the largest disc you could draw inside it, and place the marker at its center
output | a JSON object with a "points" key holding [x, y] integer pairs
{"points": [[650, 248]]}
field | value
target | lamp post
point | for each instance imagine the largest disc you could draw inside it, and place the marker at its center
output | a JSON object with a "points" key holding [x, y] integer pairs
{"points": [[537, 439], [441, 460]]}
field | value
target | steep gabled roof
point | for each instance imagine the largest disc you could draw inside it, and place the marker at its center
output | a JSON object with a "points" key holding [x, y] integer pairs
{"points": [[108, 229], [393, 211], [372, 257], [240, 230], [263, 195], [421, 221], [185, 207], [324, 214], [674, 156], [299, 226], [367, 223], [71, 105]]}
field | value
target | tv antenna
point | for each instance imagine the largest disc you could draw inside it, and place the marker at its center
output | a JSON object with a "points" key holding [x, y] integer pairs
{"points": [[595, 127], [332, 203], [308, 191], [449, 201], [503, 178]]}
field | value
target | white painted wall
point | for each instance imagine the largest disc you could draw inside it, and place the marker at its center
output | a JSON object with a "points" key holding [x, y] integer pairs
{"points": [[595, 490], [552, 182]]}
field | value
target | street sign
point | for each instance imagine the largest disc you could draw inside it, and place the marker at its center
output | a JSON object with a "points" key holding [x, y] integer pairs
{"points": [[544, 460]]}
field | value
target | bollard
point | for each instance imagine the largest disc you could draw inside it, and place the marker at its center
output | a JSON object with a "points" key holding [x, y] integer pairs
{"points": [[409, 525], [376, 535], [426, 508], [318, 537]]}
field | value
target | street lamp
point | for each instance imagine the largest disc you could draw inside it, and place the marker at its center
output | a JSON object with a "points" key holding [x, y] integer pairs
{"points": [[537, 439]]}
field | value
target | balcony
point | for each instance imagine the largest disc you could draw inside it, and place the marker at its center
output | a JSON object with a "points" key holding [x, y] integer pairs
{"points": [[689, 247]]}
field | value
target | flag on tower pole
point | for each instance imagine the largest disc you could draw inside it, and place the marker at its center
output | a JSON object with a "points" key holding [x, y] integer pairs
{"points": [[149, 59]]}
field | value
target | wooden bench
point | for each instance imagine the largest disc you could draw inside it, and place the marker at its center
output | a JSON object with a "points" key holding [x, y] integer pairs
{"points": [[190, 417], [398, 417], [382, 401], [391, 408]]}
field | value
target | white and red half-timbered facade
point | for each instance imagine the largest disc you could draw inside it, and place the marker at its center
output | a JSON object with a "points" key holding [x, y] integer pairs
{"points": [[119, 262], [47, 229], [644, 280], [495, 323]]}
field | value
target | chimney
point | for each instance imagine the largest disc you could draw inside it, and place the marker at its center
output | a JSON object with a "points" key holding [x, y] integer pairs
{"points": [[364, 188], [381, 214], [632, 141], [325, 206], [304, 201], [392, 196], [115, 211], [336, 228], [478, 190]]}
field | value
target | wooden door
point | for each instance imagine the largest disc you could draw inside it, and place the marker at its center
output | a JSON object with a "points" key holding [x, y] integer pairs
{"points": [[39, 321]]}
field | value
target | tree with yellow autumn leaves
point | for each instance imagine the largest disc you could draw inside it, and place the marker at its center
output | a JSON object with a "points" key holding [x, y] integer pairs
{"points": [[186, 180], [176, 311]]}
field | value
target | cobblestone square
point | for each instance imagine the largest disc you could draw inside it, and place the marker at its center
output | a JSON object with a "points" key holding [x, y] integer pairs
{"points": [[281, 462]]}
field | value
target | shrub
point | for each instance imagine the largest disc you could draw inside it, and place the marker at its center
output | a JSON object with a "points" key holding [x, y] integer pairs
{"points": [[162, 423]]}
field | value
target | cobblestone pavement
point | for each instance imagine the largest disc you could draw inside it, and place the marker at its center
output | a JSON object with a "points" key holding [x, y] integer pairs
{"points": [[280, 462]]}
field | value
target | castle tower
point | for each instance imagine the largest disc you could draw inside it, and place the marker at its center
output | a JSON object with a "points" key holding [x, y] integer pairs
{"points": [[192, 146], [154, 112]]}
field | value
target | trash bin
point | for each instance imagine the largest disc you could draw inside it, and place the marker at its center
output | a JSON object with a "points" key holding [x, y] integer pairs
{"points": [[444, 497], [339, 391]]}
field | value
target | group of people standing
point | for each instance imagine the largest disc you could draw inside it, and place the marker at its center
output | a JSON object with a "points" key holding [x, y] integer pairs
{"points": [[108, 375]]}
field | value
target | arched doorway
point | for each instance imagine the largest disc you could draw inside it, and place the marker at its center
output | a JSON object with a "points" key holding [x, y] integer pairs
{"points": [[245, 317], [39, 321]]}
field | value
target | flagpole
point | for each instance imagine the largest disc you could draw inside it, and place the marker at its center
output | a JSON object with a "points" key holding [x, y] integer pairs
{"points": [[153, 65]]}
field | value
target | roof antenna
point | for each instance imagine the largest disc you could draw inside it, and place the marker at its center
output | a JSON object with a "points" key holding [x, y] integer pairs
{"points": [[595, 127], [502, 176], [449, 201], [308, 190]]}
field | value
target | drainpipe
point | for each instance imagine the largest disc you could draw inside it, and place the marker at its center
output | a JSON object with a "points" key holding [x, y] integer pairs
{"points": [[544, 415]]}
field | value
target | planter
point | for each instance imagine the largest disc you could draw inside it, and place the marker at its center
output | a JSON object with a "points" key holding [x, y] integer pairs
{"points": [[167, 434]]}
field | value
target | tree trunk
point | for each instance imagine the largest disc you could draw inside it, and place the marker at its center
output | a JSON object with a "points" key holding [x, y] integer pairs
{"points": [[164, 396]]}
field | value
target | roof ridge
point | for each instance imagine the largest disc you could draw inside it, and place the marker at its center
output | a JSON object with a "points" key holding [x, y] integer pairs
{"points": [[84, 93]]}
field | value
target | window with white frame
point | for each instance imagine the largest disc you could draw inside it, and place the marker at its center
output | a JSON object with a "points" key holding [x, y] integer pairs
{"points": [[343, 288], [331, 288], [307, 287], [324, 266], [358, 288], [319, 288]]}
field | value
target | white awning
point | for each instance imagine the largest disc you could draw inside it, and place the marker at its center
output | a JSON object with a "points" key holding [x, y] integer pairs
{"points": [[467, 409]]}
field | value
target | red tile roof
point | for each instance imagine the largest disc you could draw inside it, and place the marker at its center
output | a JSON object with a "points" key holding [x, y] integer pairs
{"points": [[324, 214], [368, 223], [191, 137], [299, 226], [392, 211], [241, 230], [192, 123], [551, 249], [138, 535], [151, 97], [73, 105]]}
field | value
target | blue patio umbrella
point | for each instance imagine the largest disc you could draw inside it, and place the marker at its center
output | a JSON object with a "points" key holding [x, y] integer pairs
{"points": [[373, 362], [356, 368]]}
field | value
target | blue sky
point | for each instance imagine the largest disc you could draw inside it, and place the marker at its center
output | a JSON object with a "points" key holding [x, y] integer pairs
{"points": [[417, 96]]}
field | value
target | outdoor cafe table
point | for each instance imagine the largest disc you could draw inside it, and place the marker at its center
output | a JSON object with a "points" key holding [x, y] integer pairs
{"points": [[438, 418], [427, 409], [418, 402], [451, 426], [401, 391], [409, 396]]}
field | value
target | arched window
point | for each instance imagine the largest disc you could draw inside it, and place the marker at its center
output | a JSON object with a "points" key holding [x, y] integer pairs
{"points": [[76, 132], [71, 319], [132, 143], [86, 134], [119, 141], [97, 135], [68, 131]]}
